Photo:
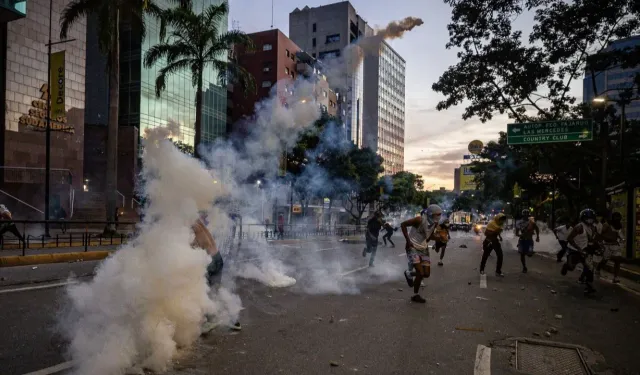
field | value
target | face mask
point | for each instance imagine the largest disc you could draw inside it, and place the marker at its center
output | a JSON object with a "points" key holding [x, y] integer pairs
{"points": [[590, 221]]}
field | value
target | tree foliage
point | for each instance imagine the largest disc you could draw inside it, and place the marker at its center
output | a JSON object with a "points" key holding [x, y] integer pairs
{"points": [[530, 77]]}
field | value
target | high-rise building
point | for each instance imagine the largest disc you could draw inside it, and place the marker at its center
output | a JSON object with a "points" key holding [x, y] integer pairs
{"points": [[275, 64], [384, 110], [24, 33], [324, 32], [610, 82], [139, 106], [456, 180]]}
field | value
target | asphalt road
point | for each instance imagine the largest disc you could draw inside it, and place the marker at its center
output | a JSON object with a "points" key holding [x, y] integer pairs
{"points": [[362, 321]]}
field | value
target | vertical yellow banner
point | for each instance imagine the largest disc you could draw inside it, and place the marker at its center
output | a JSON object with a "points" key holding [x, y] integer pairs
{"points": [[57, 93]]}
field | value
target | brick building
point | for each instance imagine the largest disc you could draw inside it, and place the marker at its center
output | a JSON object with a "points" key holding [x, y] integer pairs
{"points": [[275, 63]]}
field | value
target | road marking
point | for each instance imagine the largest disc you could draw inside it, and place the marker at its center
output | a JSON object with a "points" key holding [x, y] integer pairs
{"points": [[327, 249], [403, 254], [352, 271], [29, 288], [483, 281], [53, 369], [483, 361]]}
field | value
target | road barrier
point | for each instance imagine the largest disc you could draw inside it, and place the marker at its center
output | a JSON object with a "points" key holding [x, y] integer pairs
{"points": [[63, 233], [297, 231]]}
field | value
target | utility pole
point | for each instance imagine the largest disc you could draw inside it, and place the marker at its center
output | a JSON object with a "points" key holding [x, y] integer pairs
{"points": [[47, 145]]}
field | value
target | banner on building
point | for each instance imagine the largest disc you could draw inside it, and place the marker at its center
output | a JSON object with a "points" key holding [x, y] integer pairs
{"points": [[57, 91], [467, 179]]}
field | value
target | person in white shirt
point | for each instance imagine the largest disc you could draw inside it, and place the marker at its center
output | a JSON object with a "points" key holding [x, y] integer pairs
{"points": [[8, 226], [562, 232], [417, 233]]}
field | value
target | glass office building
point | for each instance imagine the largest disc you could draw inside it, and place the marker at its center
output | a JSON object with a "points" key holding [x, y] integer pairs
{"points": [[139, 105], [610, 83], [391, 108]]}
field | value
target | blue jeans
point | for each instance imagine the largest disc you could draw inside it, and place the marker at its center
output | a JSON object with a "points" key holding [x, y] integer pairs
{"points": [[214, 270]]}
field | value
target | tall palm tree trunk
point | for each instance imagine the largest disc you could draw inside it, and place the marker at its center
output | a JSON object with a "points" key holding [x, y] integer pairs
{"points": [[112, 134], [198, 131]]}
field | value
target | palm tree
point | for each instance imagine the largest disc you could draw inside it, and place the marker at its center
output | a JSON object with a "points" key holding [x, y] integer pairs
{"points": [[109, 13], [197, 42]]}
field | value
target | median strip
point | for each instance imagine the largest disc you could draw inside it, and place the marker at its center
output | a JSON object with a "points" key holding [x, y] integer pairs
{"points": [[28, 260]]}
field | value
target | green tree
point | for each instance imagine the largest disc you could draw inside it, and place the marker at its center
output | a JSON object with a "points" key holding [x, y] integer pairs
{"points": [[109, 13], [404, 190], [184, 147], [500, 70], [197, 42], [366, 189]]}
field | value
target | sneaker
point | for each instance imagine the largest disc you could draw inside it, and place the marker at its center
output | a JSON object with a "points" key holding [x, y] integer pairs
{"points": [[565, 269], [524, 270], [417, 298], [499, 274], [440, 263], [236, 326], [407, 276], [422, 284], [482, 272]]}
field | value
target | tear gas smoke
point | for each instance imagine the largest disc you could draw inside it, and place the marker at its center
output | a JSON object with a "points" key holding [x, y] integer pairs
{"points": [[149, 298], [354, 54]]}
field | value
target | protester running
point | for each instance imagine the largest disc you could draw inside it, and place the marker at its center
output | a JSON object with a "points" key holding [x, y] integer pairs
{"points": [[612, 238], [492, 239], [525, 228], [582, 248], [374, 224], [417, 247], [561, 233], [442, 237], [8, 226], [204, 240], [389, 232]]}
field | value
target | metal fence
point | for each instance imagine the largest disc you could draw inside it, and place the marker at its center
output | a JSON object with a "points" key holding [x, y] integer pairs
{"points": [[84, 234], [62, 233], [296, 231]]}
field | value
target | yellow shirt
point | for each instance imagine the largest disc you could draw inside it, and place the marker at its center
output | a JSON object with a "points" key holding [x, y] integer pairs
{"points": [[493, 227]]}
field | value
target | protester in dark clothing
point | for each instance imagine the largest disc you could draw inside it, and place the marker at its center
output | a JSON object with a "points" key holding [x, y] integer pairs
{"points": [[373, 231], [442, 237], [387, 236], [492, 243], [10, 227], [525, 228]]}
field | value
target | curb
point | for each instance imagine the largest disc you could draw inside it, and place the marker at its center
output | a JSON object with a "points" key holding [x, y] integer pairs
{"points": [[28, 260], [35, 245]]}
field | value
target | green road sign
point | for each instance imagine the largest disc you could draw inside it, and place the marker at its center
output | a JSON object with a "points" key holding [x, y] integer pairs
{"points": [[550, 132]]}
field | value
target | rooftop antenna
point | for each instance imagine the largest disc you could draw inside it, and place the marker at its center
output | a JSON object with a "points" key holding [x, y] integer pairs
{"points": [[272, 13]]}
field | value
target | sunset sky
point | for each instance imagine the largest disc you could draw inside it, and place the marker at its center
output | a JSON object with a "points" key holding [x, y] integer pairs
{"points": [[435, 141]]}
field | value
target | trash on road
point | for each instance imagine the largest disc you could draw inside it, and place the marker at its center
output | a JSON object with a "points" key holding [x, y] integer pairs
{"points": [[553, 291], [558, 316], [469, 283], [521, 288], [469, 329], [342, 320], [34, 267], [331, 320], [482, 298], [495, 289], [548, 334], [536, 334], [399, 289], [463, 246], [553, 330], [334, 364]]}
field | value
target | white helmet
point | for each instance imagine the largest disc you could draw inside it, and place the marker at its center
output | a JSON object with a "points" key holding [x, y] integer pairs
{"points": [[433, 209]]}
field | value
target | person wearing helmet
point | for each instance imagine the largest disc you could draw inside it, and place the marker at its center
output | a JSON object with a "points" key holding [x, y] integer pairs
{"points": [[442, 236], [612, 237], [582, 245], [525, 227], [417, 233], [374, 224], [204, 240], [492, 238]]}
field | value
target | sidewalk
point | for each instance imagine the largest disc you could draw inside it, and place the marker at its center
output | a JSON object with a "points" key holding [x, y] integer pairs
{"points": [[13, 258]]}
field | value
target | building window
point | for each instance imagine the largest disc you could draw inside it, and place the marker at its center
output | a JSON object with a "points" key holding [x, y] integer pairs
{"points": [[334, 38], [286, 70], [288, 53], [313, 55], [266, 67], [324, 93], [313, 42], [266, 84], [293, 57], [329, 54], [315, 28], [267, 47], [293, 75]]}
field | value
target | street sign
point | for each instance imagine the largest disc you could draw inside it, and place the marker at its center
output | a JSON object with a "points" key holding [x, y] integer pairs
{"points": [[471, 157], [550, 132], [475, 147]]}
